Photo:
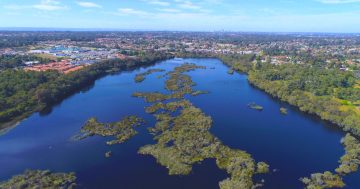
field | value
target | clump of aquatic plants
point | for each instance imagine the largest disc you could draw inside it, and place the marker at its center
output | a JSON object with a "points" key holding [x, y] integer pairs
{"points": [[183, 142], [323, 180], [262, 167], [179, 81], [255, 106], [187, 67], [185, 139], [33, 179], [199, 92], [349, 163], [108, 154], [182, 138], [351, 160], [142, 76], [159, 97], [231, 71], [122, 130], [152, 97], [172, 106], [283, 111], [163, 123]]}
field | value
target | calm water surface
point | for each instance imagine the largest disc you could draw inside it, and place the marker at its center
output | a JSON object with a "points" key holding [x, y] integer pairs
{"points": [[294, 145]]}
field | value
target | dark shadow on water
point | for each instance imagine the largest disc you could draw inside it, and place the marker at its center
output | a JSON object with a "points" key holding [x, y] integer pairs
{"points": [[48, 110], [87, 88]]}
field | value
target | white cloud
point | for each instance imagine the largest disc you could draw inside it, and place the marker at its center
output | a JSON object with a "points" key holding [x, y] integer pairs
{"points": [[157, 2], [87, 4], [16, 7], [338, 1], [185, 4], [214, 1], [130, 11], [44, 5], [49, 5], [268, 11], [170, 10]]}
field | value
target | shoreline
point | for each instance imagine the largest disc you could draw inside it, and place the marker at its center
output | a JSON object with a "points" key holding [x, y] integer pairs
{"points": [[112, 69], [17, 120]]}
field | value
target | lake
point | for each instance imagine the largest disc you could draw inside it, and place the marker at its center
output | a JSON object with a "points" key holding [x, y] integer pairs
{"points": [[294, 145]]}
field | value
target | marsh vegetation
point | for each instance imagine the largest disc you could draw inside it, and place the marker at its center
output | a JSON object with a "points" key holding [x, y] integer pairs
{"points": [[323, 180], [349, 163], [177, 83], [283, 111], [169, 107], [231, 71], [108, 154], [255, 106], [33, 179], [142, 76], [122, 130], [199, 92], [183, 138], [152, 97]]}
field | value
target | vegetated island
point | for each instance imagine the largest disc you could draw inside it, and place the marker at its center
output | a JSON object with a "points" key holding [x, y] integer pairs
{"points": [[255, 106], [349, 163], [122, 130], [142, 76], [230, 71], [183, 137], [108, 154], [32, 179], [199, 92], [174, 82], [283, 111]]}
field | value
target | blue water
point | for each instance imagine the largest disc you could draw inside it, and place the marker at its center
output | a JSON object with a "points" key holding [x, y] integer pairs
{"points": [[294, 145]]}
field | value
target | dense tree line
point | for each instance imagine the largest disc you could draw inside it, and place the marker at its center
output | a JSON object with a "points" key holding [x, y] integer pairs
{"points": [[17, 89], [25, 92], [318, 81]]}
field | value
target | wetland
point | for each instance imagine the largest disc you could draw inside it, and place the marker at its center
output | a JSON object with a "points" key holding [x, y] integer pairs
{"points": [[200, 132]]}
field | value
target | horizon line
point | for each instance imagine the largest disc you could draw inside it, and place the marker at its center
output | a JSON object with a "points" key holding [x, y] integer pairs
{"points": [[60, 29]]}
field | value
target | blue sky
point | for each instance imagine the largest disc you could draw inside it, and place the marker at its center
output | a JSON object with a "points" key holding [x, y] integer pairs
{"points": [[189, 15]]}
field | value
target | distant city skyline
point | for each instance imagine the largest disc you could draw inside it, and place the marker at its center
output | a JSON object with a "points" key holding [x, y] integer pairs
{"points": [[331, 16]]}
